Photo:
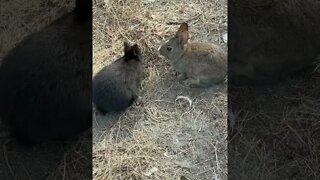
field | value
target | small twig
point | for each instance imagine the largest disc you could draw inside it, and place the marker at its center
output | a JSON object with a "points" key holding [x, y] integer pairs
{"points": [[251, 148], [7, 159], [65, 166], [296, 133], [27, 172], [173, 23], [317, 68], [185, 98]]}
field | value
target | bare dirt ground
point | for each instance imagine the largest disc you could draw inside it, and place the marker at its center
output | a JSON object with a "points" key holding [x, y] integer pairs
{"points": [[158, 137], [47, 161]]}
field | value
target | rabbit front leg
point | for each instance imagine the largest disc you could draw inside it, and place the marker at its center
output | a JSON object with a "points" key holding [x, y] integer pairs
{"points": [[193, 83], [182, 76], [134, 94], [137, 99], [202, 82]]}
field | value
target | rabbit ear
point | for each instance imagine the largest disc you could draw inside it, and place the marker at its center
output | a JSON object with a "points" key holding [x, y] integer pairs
{"points": [[182, 34], [183, 38], [135, 49], [183, 27], [131, 52], [127, 47]]}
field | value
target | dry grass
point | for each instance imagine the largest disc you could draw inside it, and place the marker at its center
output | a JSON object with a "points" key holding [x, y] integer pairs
{"points": [[275, 130], [158, 137], [19, 18]]}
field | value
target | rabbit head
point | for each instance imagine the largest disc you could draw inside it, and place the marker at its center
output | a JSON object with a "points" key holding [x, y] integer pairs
{"points": [[133, 60], [175, 47], [132, 52]]}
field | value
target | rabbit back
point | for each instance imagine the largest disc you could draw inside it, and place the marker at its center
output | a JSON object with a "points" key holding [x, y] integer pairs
{"points": [[110, 91], [204, 60]]}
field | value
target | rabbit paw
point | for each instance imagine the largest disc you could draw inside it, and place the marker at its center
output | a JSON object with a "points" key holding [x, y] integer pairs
{"points": [[182, 76], [135, 97], [199, 82], [139, 100], [192, 83]]}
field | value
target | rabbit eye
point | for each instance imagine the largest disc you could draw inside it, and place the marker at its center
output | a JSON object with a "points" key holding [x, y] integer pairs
{"points": [[169, 48]]}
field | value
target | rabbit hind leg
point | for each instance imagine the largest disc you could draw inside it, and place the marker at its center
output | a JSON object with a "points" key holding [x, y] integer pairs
{"points": [[182, 76], [197, 83]]}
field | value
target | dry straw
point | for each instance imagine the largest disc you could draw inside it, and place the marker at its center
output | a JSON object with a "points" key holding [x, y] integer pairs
{"points": [[160, 136]]}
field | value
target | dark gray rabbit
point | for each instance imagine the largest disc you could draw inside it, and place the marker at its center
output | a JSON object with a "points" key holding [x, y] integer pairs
{"points": [[116, 86], [45, 80]]}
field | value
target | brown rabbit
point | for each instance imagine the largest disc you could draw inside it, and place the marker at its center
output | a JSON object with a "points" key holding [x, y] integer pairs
{"points": [[269, 40], [199, 64], [115, 86]]}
